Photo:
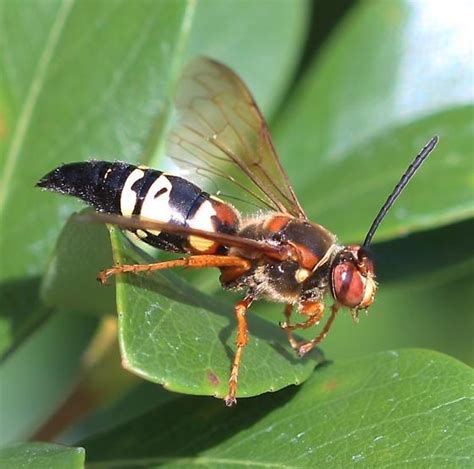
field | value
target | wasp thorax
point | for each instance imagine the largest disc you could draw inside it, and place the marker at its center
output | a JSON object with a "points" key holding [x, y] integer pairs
{"points": [[353, 278]]}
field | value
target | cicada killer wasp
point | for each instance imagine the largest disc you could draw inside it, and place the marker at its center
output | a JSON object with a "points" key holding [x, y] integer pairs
{"points": [[277, 254]]}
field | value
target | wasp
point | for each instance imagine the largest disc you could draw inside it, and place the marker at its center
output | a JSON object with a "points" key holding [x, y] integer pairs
{"points": [[219, 133]]}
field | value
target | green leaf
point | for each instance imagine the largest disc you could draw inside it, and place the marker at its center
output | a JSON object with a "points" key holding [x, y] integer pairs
{"points": [[93, 85], [425, 257], [440, 193], [76, 82], [21, 312], [41, 455], [70, 282], [37, 377], [401, 408], [392, 76], [138, 400], [265, 60], [176, 336]]}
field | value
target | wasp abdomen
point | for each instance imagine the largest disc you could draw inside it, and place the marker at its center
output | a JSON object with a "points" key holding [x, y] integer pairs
{"points": [[129, 190], [99, 183]]}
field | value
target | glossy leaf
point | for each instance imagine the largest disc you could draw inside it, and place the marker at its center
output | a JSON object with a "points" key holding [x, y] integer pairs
{"points": [[87, 89], [391, 76], [176, 336], [391, 409], [41, 456]]}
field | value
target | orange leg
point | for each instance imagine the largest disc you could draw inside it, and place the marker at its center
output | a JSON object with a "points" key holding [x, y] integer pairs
{"points": [[304, 348], [314, 311], [241, 341], [197, 262]]}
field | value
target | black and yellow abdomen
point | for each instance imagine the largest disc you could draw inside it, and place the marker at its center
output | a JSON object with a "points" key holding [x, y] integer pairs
{"points": [[129, 190]]}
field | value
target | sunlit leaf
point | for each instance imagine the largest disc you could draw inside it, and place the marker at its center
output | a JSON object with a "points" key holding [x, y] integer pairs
{"points": [[76, 101], [173, 335], [392, 75], [391, 409]]}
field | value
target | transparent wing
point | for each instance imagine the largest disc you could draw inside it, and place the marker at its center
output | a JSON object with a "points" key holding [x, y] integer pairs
{"points": [[220, 134], [139, 223]]}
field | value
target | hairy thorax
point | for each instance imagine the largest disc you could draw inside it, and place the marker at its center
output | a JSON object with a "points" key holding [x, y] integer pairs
{"points": [[275, 279]]}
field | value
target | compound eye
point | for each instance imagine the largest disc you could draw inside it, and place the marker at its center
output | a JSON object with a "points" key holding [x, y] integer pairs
{"points": [[348, 284], [365, 259]]}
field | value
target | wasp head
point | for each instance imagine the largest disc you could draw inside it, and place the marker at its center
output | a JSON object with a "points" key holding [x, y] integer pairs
{"points": [[353, 278]]}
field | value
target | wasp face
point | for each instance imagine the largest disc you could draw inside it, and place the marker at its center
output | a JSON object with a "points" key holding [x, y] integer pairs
{"points": [[353, 278]]}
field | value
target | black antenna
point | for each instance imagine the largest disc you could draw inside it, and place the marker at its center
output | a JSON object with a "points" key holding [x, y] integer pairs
{"points": [[411, 170]]}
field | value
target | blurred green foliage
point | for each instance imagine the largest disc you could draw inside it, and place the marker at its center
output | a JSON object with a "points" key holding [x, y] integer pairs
{"points": [[352, 91]]}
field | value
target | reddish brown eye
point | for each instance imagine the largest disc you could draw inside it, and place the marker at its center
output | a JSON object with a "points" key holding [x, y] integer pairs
{"points": [[348, 285]]}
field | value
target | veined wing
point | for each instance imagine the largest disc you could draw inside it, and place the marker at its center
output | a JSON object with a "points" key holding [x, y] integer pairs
{"points": [[220, 133], [140, 223]]}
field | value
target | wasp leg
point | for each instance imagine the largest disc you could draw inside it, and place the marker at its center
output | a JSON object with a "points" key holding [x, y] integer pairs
{"points": [[304, 348], [287, 327], [287, 312], [314, 311], [241, 341], [197, 262]]}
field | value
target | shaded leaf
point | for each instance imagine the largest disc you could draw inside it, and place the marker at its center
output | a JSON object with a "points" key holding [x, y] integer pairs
{"points": [[37, 377], [70, 282], [142, 398], [434, 315], [21, 312], [428, 255], [41, 455], [390, 409]]}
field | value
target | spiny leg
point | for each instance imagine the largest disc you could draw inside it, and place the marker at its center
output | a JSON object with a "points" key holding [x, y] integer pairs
{"points": [[304, 348], [314, 311], [197, 262], [241, 341]]}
